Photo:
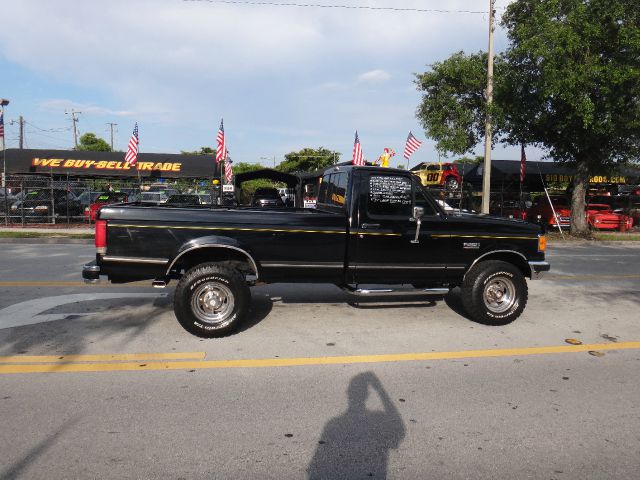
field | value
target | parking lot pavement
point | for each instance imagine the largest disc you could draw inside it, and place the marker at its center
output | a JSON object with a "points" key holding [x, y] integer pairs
{"points": [[442, 396]]}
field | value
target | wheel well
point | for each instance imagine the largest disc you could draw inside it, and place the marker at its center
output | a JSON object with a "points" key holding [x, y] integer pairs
{"points": [[226, 256], [509, 257]]}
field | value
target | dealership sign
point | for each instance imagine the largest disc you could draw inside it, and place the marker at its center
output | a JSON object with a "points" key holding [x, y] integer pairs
{"points": [[61, 163], [110, 164]]}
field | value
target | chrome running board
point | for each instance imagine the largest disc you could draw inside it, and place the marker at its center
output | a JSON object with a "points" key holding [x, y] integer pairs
{"points": [[354, 290]]}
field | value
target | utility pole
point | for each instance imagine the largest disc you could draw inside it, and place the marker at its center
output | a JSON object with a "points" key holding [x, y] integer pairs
{"points": [[486, 178], [74, 122], [21, 126], [21, 122], [111, 125]]}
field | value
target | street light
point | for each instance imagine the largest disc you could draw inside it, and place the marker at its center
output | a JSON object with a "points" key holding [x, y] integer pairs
{"points": [[3, 103]]}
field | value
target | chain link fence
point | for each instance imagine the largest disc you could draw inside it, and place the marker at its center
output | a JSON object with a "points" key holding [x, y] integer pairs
{"points": [[32, 200]]}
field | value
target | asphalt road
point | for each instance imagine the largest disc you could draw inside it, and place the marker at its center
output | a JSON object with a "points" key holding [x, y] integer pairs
{"points": [[315, 385]]}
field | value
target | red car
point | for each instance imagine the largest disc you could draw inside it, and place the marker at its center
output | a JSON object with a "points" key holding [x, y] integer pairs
{"points": [[541, 207], [443, 174], [602, 217], [106, 198]]}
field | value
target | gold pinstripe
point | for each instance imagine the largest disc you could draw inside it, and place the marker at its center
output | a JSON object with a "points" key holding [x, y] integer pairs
{"points": [[484, 236], [241, 229]]}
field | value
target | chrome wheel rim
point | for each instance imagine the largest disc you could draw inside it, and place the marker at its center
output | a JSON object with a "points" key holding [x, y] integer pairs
{"points": [[499, 294], [213, 304]]}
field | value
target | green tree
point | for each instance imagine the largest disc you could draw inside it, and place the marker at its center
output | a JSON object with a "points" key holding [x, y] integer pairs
{"points": [[89, 141], [569, 82], [202, 151], [249, 187], [308, 160]]}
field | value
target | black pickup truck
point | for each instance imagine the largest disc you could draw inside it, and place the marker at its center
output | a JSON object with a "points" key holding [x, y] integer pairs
{"points": [[375, 231]]}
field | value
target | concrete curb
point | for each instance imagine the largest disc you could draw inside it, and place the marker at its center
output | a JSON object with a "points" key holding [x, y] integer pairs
{"points": [[48, 241]]}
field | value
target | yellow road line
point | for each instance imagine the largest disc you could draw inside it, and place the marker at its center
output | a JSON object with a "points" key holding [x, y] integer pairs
{"points": [[115, 357], [291, 362]]}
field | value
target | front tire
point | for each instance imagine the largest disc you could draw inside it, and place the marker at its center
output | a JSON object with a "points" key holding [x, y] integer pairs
{"points": [[211, 300], [452, 184], [494, 292]]}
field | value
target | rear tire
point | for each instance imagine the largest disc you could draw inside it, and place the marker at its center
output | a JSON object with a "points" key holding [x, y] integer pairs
{"points": [[494, 292], [211, 300]]}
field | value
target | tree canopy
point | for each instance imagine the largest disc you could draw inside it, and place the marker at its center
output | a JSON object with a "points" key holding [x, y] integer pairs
{"points": [[202, 151], [89, 141], [569, 81], [308, 160]]}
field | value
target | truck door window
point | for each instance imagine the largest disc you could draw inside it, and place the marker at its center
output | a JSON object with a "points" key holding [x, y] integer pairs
{"points": [[333, 190], [389, 195], [421, 200]]}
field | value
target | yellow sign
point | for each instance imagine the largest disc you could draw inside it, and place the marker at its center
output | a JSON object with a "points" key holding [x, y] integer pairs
{"points": [[430, 177], [61, 163], [554, 177]]}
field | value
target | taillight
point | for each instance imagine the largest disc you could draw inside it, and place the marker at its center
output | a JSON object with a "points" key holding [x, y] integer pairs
{"points": [[101, 236]]}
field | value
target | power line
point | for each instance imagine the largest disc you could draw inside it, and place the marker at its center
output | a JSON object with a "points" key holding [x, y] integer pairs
{"points": [[346, 7]]}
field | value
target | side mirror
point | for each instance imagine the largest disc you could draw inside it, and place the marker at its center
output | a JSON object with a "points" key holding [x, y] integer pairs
{"points": [[418, 212]]}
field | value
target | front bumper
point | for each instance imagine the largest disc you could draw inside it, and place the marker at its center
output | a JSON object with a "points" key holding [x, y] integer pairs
{"points": [[91, 272], [538, 269]]}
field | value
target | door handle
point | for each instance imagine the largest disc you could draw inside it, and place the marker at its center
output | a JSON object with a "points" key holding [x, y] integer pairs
{"points": [[370, 226]]}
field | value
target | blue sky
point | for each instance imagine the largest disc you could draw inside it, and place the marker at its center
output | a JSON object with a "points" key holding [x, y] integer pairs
{"points": [[283, 78]]}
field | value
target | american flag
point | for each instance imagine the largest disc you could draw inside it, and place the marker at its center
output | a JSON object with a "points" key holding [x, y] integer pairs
{"points": [[221, 151], [2, 130], [523, 163], [132, 150], [412, 145], [358, 158], [228, 171]]}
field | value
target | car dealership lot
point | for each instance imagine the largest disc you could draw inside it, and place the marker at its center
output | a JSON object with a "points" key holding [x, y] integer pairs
{"points": [[191, 413]]}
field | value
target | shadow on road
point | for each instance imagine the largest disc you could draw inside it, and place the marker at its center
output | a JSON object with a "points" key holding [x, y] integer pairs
{"points": [[19, 466], [357, 443]]}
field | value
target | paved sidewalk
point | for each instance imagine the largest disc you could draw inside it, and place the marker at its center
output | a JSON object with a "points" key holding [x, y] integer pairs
{"points": [[50, 230]]}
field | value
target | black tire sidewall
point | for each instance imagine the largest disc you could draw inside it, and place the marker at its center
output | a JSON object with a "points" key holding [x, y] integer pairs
{"points": [[210, 273], [473, 292]]}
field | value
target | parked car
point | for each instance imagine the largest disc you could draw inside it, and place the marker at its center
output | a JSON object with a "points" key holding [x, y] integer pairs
{"points": [[267, 198], [205, 198], [602, 217], [440, 174], [153, 197], [38, 203], [511, 206], [542, 208], [106, 198], [183, 200], [87, 198]]}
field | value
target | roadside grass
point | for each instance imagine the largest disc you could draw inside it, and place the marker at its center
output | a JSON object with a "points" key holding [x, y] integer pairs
{"points": [[44, 235], [617, 237]]}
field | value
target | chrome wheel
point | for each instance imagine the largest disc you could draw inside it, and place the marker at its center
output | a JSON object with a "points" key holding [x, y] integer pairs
{"points": [[213, 303], [499, 294]]}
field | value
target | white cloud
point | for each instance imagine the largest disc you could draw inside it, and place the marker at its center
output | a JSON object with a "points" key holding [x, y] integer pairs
{"points": [[374, 76], [179, 66], [58, 104]]}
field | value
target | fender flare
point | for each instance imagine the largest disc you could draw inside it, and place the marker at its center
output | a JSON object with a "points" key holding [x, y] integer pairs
{"points": [[494, 252], [210, 243]]}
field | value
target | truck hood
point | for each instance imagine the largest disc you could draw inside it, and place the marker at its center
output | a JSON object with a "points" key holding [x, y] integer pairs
{"points": [[494, 223]]}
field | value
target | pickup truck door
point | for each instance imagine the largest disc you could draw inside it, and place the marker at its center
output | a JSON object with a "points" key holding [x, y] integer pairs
{"points": [[384, 248]]}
